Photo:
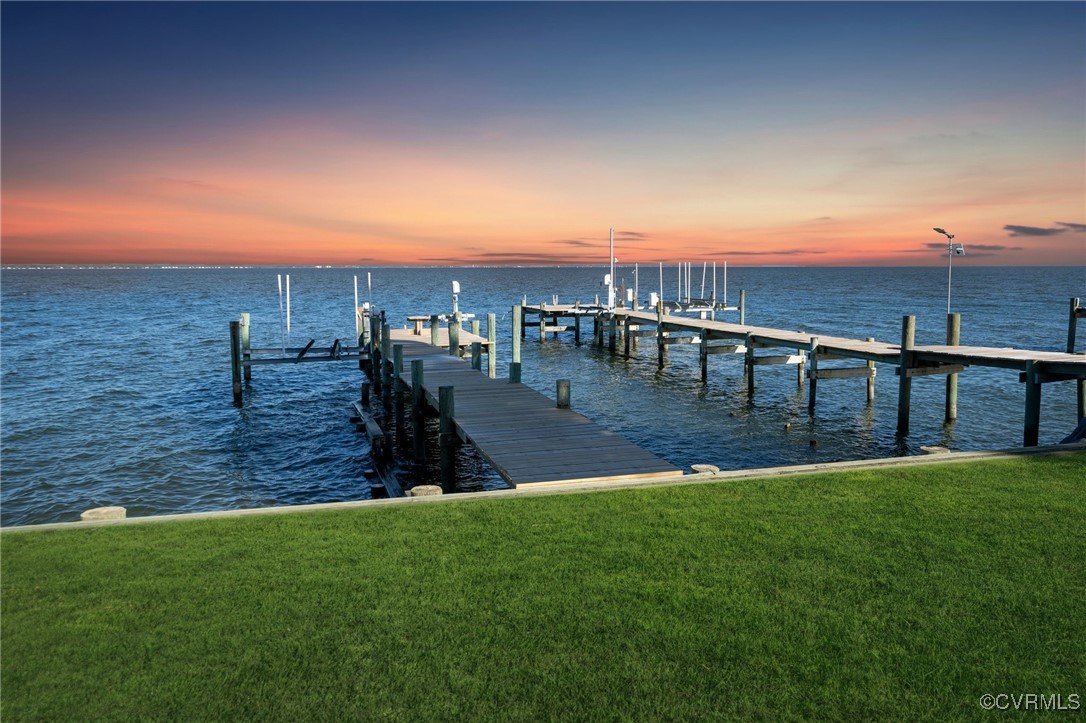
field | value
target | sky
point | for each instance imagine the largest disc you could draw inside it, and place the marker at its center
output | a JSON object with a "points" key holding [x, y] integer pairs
{"points": [[358, 134]]}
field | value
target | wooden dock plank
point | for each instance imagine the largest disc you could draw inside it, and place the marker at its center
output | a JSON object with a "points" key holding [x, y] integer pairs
{"points": [[522, 433]]}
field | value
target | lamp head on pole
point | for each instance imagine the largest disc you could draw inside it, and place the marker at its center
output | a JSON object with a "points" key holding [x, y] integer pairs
{"points": [[943, 231]]}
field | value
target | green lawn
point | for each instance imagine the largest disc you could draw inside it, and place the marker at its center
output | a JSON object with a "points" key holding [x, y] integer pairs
{"points": [[891, 594]]}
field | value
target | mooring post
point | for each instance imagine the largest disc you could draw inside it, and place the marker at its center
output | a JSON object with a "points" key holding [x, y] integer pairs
{"points": [[514, 372], [871, 377], [577, 322], [476, 356], [246, 354], [542, 322], [435, 330], [359, 325], [518, 320], [953, 338], [235, 359], [454, 335], [703, 354], [475, 327], [397, 387], [375, 353], [365, 393], [742, 306], [612, 331], [801, 368], [661, 345], [1031, 433], [418, 410], [905, 382], [447, 437], [518, 331], [1072, 328], [491, 345], [626, 336], [748, 364], [812, 389], [563, 393], [386, 367]]}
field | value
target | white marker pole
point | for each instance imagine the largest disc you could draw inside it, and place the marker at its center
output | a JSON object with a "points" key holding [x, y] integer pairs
{"points": [[288, 306], [369, 286], [611, 284], [725, 283], [661, 280], [282, 334], [704, 268], [357, 316]]}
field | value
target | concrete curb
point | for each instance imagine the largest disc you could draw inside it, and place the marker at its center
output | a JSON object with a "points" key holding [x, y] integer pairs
{"points": [[544, 489]]}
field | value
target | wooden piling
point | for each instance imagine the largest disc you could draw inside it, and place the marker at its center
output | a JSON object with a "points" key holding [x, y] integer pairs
{"points": [[801, 368], [562, 393], [577, 329], [542, 323], [661, 342], [418, 410], [397, 387], [447, 436], [748, 363], [475, 327], [1072, 328], [703, 354], [905, 382], [435, 330], [1032, 426], [953, 338], [375, 353], [626, 336], [235, 359], [476, 356], [518, 331], [454, 335], [612, 331], [871, 378], [742, 306], [812, 390], [246, 354], [514, 372], [386, 367], [492, 345]]}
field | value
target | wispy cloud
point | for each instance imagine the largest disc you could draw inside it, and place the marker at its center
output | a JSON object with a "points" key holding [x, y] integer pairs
{"points": [[1032, 230], [1075, 227], [971, 248]]}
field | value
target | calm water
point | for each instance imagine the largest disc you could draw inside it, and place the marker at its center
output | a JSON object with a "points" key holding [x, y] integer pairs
{"points": [[116, 382]]}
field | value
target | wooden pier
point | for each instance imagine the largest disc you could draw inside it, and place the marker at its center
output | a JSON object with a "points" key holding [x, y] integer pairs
{"points": [[808, 351], [527, 438]]}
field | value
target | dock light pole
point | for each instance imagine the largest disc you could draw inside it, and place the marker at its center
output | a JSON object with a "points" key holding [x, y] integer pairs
{"points": [[952, 250], [611, 276]]}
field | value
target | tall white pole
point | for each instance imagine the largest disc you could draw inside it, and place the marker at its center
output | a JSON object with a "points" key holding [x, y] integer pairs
{"points": [[288, 306], [369, 286], [282, 333], [704, 268], [636, 300], [680, 297], [725, 283], [611, 286], [949, 271], [714, 281], [661, 281], [356, 296]]}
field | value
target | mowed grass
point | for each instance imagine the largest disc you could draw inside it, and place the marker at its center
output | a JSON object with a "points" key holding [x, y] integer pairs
{"points": [[890, 594]]}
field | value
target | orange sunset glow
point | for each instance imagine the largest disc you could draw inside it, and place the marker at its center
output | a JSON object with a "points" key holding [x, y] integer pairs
{"points": [[473, 151]]}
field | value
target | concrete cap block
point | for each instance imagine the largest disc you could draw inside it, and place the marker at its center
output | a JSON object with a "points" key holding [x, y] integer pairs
{"points": [[104, 513], [424, 491]]}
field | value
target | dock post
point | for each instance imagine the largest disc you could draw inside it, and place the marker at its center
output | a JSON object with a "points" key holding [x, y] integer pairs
{"points": [[359, 324], [576, 328], [748, 363], [518, 331], [542, 322], [626, 336], [235, 359], [703, 354], [475, 327], [1072, 324], [871, 378], [514, 372], [386, 367], [418, 411], [447, 437], [661, 346], [476, 356], [1031, 433], [742, 307], [491, 345], [397, 387], [563, 393], [246, 354], [905, 382], [953, 338], [454, 335], [435, 330], [612, 332], [801, 368], [375, 353], [812, 390]]}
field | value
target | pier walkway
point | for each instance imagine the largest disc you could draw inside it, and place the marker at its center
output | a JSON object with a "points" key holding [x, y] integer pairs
{"points": [[525, 437]]}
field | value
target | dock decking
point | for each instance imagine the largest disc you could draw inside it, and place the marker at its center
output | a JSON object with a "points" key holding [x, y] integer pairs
{"points": [[520, 432]]}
